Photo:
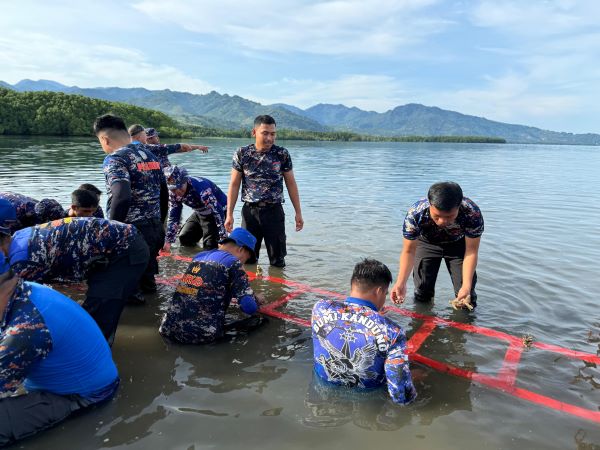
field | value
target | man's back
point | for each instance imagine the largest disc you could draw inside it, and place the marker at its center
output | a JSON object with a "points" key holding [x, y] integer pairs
{"points": [[66, 248], [142, 170], [196, 313], [53, 345], [356, 346]]}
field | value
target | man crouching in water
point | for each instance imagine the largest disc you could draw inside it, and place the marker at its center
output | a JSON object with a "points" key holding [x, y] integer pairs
{"points": [[54, 350], [196, 313], [354, 345]]}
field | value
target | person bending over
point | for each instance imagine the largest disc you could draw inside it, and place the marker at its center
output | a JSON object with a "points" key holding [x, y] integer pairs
{"points": [[111, 256], [196, 312], [53, 358], [354, 345], [31, 212], [208, 203], [445, 225]]}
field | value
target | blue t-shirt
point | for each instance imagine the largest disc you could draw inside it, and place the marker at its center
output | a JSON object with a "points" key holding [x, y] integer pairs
{"points": [[49, 343]]}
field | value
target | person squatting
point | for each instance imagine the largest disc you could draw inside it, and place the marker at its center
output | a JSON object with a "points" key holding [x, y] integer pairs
{"points": [[55, 355]]}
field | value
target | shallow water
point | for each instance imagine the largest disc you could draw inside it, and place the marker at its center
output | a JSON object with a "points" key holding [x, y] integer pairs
{"points": [[538, 275]]}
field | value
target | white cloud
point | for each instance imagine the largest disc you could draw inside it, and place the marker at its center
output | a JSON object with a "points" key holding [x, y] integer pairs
{"points": [[369, 92], [336, 27], [508, 99], [40, 56], [537, 17]]}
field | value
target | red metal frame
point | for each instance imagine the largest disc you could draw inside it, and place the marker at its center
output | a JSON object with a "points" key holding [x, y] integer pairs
{"points": [[504, 381]]}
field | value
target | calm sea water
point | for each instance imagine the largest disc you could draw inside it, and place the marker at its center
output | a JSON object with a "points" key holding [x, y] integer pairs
{"points": [[538, 275]]}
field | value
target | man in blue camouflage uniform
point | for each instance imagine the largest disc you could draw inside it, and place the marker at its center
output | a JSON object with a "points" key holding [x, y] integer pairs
{"points": [[196, 312], [354, 345], [161, 151], [32, 212], [446, 225], [208, 203], [261, 169], [111, 256], [53, 358], [133, 183]]}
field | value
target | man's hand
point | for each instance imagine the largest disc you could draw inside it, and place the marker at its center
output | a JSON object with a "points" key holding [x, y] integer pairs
{"points": [[299, 222], [463, 293], [229, 223], [189, 147], [398, 293], [167, 248], [260, 298]]}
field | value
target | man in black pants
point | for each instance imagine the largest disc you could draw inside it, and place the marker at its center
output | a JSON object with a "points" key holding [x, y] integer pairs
{"points": [[133, 183], [261, 169], [448, 226]]}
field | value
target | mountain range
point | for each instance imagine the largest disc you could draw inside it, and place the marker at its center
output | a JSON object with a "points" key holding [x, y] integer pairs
{"points": [[233, 112]]}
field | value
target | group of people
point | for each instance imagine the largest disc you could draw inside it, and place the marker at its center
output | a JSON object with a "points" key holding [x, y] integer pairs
{"points": [[55, 355]]}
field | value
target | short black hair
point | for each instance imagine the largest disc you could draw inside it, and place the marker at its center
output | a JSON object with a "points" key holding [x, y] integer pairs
{"points": [[109, 122], [370, 273], [264, 119], [84, 199], [445, 195], [90, 187]]}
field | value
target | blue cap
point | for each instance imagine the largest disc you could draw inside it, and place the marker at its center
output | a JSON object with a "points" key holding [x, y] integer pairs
{"points": [[7, 215], [4, 263], [243, 238], [48, 210], [151, 132], [176, 177]]}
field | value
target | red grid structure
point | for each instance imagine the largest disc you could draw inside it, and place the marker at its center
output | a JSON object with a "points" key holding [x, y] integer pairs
{"points": [[504, 380]]}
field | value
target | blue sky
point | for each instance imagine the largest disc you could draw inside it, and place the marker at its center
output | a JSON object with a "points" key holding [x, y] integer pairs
{"points": [[529, 62]]}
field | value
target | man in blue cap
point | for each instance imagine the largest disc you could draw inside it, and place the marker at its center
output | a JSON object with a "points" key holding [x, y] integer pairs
{"points": [[52, 353], [31, 212], [111, 256], [208, 203], [196, 312]]}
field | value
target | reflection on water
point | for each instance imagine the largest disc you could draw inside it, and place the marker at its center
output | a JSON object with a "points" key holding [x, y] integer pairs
{"points": [[537, 275]]}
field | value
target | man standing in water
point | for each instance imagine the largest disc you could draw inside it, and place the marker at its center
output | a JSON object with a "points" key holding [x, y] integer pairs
{"points": [[133, 182], [448, 226], [261, 169]]}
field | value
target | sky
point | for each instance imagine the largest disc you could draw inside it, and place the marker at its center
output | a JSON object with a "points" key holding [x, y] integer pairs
{"points": [[531, 62]]}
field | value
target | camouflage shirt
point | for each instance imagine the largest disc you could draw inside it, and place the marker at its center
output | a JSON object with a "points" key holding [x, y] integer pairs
{"points": [[24, 208], [419, 225], [204, 197], [142, 170], [356, 346], [196, 312], [262, 173], [162, 152], [49, 343], [66, 249]]}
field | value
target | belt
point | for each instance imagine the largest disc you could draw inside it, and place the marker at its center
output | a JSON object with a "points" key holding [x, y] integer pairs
{"points": [[261, 204]]}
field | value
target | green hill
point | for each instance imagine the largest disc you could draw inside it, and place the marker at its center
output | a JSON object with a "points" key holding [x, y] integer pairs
{"points": [[57, 114]]}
